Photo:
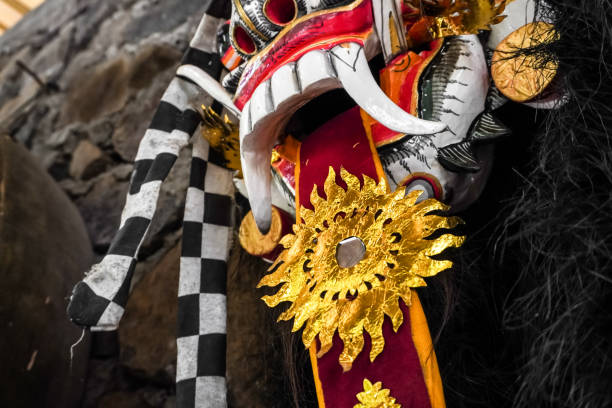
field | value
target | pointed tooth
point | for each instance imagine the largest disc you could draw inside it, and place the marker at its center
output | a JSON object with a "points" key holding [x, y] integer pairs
{"points": [[354, 73], [495, 99], [314, 67], [279, 198], [488, 127], [554, 101], [284, 84], [459, 158], [261, 103], [209, 85]]}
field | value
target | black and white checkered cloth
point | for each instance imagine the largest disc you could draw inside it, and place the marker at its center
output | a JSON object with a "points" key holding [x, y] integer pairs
{"points": [[98, 301], [207, 231]]}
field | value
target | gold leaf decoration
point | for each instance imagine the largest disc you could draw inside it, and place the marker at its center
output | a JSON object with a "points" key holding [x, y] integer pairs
{"points": [[374, 396], [223, 137], [326, 297], [524, 76], [459, 17]]}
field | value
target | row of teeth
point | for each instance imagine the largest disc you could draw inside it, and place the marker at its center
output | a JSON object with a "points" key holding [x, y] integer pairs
{"points": [[265, 115]]}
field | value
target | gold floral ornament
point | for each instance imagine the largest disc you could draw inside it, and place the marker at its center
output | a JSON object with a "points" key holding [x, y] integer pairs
{"points": [[374, 396], [459, 17], [223, 137], [353, 258]]}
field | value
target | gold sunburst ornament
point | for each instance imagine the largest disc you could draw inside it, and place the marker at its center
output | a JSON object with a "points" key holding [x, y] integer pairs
{"points": [[353, 258], [374, 396]]}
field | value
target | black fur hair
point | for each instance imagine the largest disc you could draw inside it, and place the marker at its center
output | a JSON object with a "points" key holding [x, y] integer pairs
{"points": [[560, 225], [532, 305]]}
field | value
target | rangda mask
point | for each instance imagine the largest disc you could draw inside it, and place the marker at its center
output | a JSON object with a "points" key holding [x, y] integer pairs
{"points": [[358, 128], [315, 82]]}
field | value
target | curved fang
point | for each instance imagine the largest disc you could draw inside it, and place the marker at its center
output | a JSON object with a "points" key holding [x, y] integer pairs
{"points": [[257, 179], [353, 72], [255, 155], [209, 85]]}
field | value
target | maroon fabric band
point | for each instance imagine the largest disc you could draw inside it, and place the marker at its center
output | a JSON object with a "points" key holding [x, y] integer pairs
{"points": [[398, 366]]}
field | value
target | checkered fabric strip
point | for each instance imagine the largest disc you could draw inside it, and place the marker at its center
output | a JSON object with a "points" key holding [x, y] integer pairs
{"points": [[98, 301], [207, 232]]}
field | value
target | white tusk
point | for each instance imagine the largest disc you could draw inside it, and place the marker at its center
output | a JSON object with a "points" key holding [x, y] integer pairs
{"points": [[209, 85], [257, 179], [354, 73], [255, 155]]}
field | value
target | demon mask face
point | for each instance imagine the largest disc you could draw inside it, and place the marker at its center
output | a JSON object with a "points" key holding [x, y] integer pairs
{"points": [[417, 72], [366, 120], [334, 96]]}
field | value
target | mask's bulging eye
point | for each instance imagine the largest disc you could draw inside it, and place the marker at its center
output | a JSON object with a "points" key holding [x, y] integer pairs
{"points": [[280, 12], [243, 41]]}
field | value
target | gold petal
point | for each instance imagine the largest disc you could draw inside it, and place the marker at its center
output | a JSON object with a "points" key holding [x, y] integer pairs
{"points": [[351, 181], [353, 344], [373, 325], [374, 396], [370, 185], [392, 309]]}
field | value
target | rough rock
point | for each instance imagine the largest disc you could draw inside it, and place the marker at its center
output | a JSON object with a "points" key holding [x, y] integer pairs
{"points": [[75, 188], [101, 209], [122, 399], [150, 319], [100, 132], [44, 248], [87, 161], [101, 91], [106, 88], [13, 107], [122, 172]]}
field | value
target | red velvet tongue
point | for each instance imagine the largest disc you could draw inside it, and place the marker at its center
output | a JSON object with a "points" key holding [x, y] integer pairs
{"points": [[340, 142], [343, 142]]}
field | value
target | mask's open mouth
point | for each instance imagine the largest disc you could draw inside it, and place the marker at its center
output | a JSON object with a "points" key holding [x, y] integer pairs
{"points": [[317, 112], [325, 107]]}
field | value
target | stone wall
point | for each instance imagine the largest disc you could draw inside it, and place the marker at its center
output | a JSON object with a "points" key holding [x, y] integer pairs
{"points": [[80, 80], [79, 83]]}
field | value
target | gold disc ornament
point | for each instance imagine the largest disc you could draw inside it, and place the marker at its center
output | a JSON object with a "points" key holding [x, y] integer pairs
{"points": [[256, 243], [523, 77]]}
